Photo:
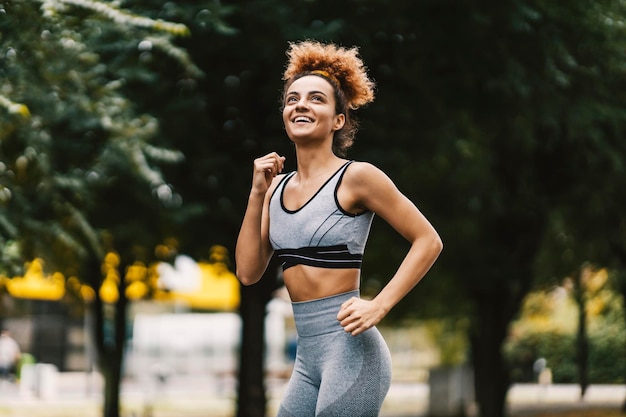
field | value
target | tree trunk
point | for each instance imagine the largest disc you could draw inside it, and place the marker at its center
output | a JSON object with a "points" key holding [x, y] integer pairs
{"points": [[115, 356], [252, 401], [621, 284], [110, 339], [112, 379], [623, 291], [582, 341], [490, 371]]}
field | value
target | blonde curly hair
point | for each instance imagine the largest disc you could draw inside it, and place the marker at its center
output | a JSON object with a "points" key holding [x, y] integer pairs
{"points": [[343, 68]]}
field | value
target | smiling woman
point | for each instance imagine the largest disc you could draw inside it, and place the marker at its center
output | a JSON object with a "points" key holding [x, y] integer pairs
{"points": [[344, 70], [309, 107], [316, 220]]}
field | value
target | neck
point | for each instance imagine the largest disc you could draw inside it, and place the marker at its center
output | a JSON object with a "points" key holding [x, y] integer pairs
{"points": [[314, 164]]}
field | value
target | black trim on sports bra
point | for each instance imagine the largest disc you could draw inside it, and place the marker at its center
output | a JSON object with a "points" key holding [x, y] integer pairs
{"points": [[283, 179], [282, 192], [339, 206], [337, 256]]}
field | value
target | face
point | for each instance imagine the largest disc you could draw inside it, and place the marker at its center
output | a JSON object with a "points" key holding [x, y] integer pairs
{"points": [[309, 110]]}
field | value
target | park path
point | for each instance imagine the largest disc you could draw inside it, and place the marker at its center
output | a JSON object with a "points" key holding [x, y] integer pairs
{"points": [[78, 394]]}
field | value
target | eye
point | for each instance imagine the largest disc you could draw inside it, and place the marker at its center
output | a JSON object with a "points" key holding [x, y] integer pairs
{"points": [[317, 98], [291, 99]]}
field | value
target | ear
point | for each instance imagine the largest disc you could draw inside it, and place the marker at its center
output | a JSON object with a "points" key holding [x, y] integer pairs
{"points": [[340, 121]]}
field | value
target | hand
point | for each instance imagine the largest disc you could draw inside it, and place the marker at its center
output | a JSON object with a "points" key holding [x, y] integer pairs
{"points": [[265, 169], [357, 315]]}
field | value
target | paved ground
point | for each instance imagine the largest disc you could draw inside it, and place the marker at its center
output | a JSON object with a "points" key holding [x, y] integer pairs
{"points": [[79, 395]]}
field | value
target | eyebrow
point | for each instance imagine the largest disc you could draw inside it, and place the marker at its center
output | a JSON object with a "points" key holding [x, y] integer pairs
{"points": [[310, 93]]}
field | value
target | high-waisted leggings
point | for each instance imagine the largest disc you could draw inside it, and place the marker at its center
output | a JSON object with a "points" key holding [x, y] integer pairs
{"points": [[335, 374]]}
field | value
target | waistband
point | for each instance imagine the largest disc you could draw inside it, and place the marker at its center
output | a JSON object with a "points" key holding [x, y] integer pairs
{"points": [[319, 316]]}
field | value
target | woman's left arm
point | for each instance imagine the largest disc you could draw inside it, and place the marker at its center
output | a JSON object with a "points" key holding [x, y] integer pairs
{"points": [[370, 188]]}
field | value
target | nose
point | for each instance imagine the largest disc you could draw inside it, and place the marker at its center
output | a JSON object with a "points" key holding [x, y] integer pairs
{"points": [[302, 104]]}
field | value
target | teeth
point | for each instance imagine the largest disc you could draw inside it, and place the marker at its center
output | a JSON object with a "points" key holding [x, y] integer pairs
{"points": [[303, 119]]}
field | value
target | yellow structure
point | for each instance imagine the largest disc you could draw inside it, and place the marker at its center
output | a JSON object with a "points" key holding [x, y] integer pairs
{"points": [[203, 286], [212, 285], [35, 285], [109, 291], [136, 287], [214, 288], [218, 290]]}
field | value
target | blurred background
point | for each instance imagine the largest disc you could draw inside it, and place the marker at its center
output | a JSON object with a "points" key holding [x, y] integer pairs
{"points": [[127, 135]]}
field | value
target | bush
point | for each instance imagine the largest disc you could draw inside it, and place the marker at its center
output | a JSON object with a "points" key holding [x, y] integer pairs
{"points": [[559, 350], [607, 363]]}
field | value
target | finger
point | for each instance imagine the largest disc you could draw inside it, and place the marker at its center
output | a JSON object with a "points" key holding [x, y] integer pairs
{"points": [[267, 165], [347, 325], [279, 163], [273, 163], [358, 328], [357, 332], [344, 312], [342, 315], [348, 303], [354, 329], [351, 320]]}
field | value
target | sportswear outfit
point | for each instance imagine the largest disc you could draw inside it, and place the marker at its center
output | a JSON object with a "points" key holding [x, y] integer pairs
{"points": [[335, 374]]}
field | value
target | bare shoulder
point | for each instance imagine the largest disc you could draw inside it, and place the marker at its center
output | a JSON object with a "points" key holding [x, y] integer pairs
{"points": [[278, 178], [365, 173], [275, 181], [368, 187]]}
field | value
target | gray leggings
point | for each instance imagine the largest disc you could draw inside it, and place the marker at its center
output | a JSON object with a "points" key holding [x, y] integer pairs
{"points": [[335, 374]]}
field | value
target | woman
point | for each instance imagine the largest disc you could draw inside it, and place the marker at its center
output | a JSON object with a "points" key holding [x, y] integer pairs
{"points": [[316, 220]]}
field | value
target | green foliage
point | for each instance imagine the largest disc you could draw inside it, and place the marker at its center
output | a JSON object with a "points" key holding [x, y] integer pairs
{"points": [[10, 259], [83, 165], [547, 329], [605, 366], [450, 336], [558, 349], [71, 138]]}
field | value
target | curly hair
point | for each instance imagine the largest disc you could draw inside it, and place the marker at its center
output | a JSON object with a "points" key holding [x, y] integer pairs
{"points": [[343, 68]]}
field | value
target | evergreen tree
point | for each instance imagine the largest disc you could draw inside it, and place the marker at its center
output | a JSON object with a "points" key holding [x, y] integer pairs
{"points": [[81, 173]]}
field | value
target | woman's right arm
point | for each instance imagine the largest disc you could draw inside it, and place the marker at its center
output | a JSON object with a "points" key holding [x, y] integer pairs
{"points": [[253, 250]]}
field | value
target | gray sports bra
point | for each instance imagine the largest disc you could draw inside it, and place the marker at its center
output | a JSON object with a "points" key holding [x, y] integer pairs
{"points": [[320, 233]]}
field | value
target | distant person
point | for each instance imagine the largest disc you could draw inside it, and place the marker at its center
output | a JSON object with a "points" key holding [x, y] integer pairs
{"points": [[316, 220], [9, 355]]}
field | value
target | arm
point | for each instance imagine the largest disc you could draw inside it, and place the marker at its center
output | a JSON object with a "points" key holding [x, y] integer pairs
{"points": [[370, 188], [253, 250]]}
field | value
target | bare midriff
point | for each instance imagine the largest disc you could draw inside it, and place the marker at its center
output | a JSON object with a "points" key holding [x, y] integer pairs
{"points": [[306, 283]]}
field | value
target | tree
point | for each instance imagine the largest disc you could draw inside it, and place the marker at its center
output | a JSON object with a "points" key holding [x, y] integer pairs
{"points": [[586, 226], [81, 175], [518, 109]]}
